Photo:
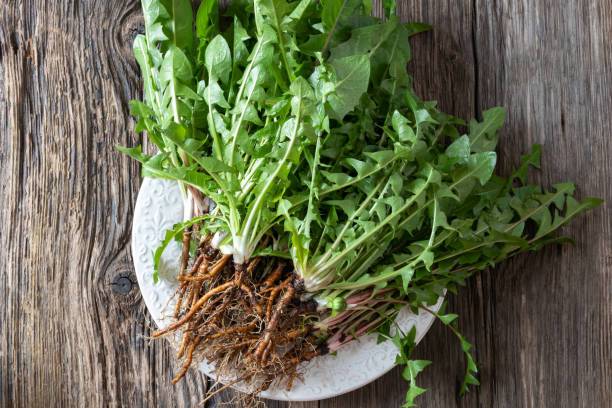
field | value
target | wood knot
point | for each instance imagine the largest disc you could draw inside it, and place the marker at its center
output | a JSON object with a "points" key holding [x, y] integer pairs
{"points": [[134, 31], [453, 56], [14, 42], [121, 283]]}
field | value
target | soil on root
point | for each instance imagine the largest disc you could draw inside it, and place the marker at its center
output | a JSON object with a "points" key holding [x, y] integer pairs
{"points": [[247, 320]]}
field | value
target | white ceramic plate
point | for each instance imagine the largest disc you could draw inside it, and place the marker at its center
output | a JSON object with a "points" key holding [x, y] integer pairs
{"points": [[159, 207]]}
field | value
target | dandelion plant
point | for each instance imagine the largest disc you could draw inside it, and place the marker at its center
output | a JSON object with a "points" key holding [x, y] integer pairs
{"points": [[321, 194]]}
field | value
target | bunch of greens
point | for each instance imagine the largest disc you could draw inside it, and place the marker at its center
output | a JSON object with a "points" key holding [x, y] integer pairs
{"points": [[299, 121]]}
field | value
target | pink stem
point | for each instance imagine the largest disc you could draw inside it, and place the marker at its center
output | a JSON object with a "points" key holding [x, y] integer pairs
{"points": [[354, 299], [339, 318], [333, 339], [342, 330], [372, 324], [337, 344], [352, 315], [359, 321]]}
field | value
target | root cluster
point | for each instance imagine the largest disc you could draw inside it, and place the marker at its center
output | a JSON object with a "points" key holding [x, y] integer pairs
{"points": [[246, 319]]}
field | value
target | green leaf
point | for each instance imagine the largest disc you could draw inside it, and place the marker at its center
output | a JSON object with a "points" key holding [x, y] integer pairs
{"points": [[180, 25], [134, 153], [573, 208], [414, 28], [138, 108], [389, 7], [212, 94], [459, 149], [241, 52], [347, 205], [406, 273], [423, 116], [481, 166], [337, 179], [153, 10], [381, 156], [527, 160], [335, 12], [299, 11], [218, 59], [207, 17], [412, 369], [483, 135], [212, 165], [176, 66], [141, 53], [364, 40], [277, 10], [403, 129], [353, 74], [170, 236], [448, 318]]}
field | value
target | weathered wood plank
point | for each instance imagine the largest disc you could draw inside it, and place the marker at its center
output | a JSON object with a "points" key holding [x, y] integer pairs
{"points": [[70, 336], [74, 327], [549, 315]]}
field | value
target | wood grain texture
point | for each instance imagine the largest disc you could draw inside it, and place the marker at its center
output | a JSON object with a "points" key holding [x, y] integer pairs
{"points": [[73, 327]]}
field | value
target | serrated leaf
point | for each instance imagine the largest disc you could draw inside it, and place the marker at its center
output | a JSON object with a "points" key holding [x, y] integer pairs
{"points": [[406, 273], [207, 17], [448, 318], [347, 205], [212, 94], [404, 131], [141, 53], [483, 135], [334, 12], [171, 235], [353, 77]]}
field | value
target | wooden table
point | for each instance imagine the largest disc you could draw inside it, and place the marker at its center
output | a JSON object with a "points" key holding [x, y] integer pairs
{"points": [[73, 325]]}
